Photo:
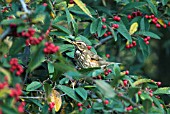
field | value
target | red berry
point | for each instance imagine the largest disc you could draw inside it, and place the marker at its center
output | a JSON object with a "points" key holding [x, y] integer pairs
{"points": [[139, 92], [147, 42], [79, 104], [116, 18], [125, 82], [148, 37], [168, 23], [129, 17], [129, 108], [105, 34], [115, 26], [104, 26], [127, 46], [71, 2], [88, 106], [146, 16], [131, 45], [164, 25], [151, 94], [158, 25], [158, 83], [152, 16], [109, 70], [106, 73], [99, 77], [109, 33], [145, 39], [126, 72], [106, 102], [103, 19], [134, 43], [80, 109], [45, 4], [89, 47], [108, 55]]}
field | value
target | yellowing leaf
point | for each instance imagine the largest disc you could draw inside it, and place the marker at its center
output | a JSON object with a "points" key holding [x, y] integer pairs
{"points": [[56, 98], [19, 13], [52, 15], [8, 1], [38, 18], [27, 1], [141, 81], [161, 22], [133, 28], [1, 30], [83, 7]]}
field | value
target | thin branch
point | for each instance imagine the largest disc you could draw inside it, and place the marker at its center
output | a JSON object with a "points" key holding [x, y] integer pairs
{"points": [[130, 101], [25, 7], [27, 97], [5, 33], [103, 41]]}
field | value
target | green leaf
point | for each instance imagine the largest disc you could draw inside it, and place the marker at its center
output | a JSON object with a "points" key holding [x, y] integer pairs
{"points": [[33, 86], [47, 23], [98, 106], [100, 30], [147, 104], [62, 28], [84, 39], [144, 24], [133, 5], [163, 90], [13, 21], [81, 92], [6, 109], [47, 89], [152, 7], [123, 31], [116, 70], [37, 57], [17, 46], [141, 81], [83, 7], [68, 16], [144, 48], [132, 91], [37, 102], [114, 34], [70, 92], [164, 2], [145, 96], [156, 101], [50, 68], [151, 34], [94, 26], [105, 88]]}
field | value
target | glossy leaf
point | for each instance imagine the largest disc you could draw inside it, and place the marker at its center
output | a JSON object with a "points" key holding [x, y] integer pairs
{"points": [[81, 92], [33, 86], [163, 90], [70, 92]]}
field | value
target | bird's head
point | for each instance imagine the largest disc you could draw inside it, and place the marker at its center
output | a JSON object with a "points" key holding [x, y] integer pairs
{"points": [[80, 45]]}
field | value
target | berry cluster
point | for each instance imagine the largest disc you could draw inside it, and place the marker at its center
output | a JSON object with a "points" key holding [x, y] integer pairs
{"points": [[107, 72], [133, 44], [116, 18], [155, 21], [16, 67], [21, 107], [134, 14], [80, 106], [50, 48], [51, 106], [16, 92], [129, 108], [31, 40], [4, 84], [108, 33], [146, 40]]}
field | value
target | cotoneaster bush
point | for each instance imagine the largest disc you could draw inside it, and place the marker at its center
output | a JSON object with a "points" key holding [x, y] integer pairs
{"points": [[38, 72]]}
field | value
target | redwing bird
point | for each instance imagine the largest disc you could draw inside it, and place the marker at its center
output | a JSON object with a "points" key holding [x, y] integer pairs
{"points": [[87, 59]]}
